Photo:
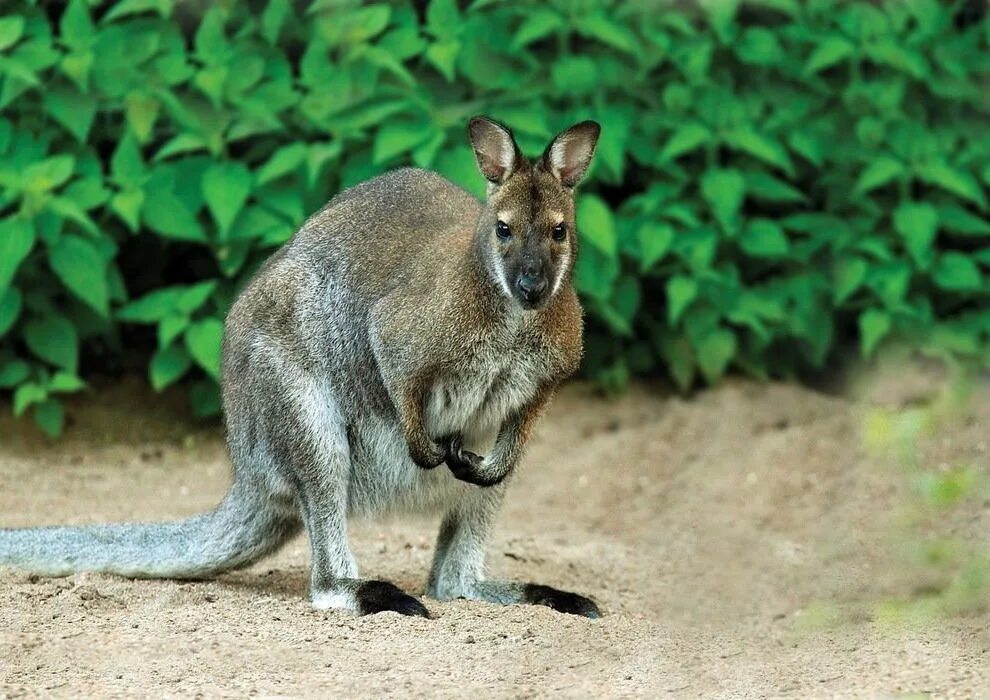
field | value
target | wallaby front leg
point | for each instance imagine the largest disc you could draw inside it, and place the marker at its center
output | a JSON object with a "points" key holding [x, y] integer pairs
{"points": [[426, 453], [459, 562], [512, 438]]}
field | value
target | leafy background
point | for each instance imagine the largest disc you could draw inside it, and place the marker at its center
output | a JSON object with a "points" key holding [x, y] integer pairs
{"points": [[777, 181]]}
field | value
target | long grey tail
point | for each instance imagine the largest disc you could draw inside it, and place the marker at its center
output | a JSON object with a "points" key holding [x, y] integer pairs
{"points": [[246, 526]]}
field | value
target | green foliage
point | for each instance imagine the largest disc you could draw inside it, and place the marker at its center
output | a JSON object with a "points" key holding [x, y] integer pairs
{"points": [[774, 179]]}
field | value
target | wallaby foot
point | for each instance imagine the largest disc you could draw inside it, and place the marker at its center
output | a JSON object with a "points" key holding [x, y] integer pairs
{"points": [[511, 592], [561, 601], [380, 596], [367, 598]]}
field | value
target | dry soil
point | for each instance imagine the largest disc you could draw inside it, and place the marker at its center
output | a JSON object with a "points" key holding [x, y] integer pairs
{"points": [[742, 542]]}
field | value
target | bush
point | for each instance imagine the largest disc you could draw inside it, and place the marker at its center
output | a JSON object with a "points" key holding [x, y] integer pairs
{"points": [[775, 179]]}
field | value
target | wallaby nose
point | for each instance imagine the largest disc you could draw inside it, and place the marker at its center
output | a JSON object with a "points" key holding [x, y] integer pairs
{"points": [[531, 285]]}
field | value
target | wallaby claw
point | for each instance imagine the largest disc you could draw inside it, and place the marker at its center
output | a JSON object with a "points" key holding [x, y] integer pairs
{"points": [[466, 465]]}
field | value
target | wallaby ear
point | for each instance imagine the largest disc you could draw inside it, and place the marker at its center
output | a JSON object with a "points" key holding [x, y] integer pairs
{"points": [[569, 154], [495, 148]]}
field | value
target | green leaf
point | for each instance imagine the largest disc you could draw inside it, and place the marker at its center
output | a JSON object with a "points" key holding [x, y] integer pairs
{"points": [[203, 340], [273, 19], [170, 328], [685, 139], [598, 27], [141, 110], [850, 273], [168, 365], [123, 8], [16, 241], [759, 146], [654, 241], [764, 238], [126, 165], [827, 53], [596, 225], [724, 190], [49, 173], [83, 270], [917, 222], [537, 23], [957, 220], [27, 395], [50, 417], [76, 26], [127, 205], [681, 291], [957, 272], [956, 181], [10, 309], [54, 340], [398, 137], [71, 109], [13, 373], [195, 296], [763, 185], [153, 306], [11, 30], [282, 162], [165, 213], [759, 46], [443, 55], [874, 325], [878, 173], [65, 383], [715, 351], [680, 360], [226, 187]]}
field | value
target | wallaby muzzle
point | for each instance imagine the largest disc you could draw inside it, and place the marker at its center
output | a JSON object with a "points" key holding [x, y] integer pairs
{"points": [[528, 279]]}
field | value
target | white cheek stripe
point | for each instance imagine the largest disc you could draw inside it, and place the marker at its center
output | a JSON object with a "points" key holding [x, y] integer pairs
{"points": [[500, 275], [561, 271]]}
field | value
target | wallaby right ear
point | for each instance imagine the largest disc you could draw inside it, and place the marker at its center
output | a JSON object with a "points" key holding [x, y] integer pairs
{"points": [[495, 148]]}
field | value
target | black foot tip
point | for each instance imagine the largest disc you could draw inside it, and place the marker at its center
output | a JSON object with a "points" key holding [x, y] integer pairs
{"points": [[382, 596], [561, 601]]}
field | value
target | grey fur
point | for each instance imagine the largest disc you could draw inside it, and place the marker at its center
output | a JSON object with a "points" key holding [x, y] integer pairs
{"points": [[384, 339]]}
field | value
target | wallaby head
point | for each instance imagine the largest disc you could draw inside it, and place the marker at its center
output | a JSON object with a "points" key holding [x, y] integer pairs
{"points": [[526, 232]]}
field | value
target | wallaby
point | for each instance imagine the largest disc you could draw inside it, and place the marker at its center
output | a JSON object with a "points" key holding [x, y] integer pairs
{"points": [[405, 325]]}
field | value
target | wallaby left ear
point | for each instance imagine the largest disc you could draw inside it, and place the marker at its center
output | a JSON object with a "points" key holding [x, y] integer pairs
{"points": [[495, 149], [569, 154]]}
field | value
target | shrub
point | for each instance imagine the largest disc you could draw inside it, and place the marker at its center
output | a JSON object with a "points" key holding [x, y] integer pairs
{"points": [[775, 179]]}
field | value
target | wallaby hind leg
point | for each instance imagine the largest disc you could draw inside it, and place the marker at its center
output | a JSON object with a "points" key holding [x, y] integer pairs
{"points": [[312, 441], [459, 562]]}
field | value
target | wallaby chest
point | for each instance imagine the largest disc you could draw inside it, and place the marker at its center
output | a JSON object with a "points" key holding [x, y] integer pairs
{"points": [[497, 376]]}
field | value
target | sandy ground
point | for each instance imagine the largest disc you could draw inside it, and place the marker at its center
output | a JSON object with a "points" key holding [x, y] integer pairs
{"points": [[740, 542]]}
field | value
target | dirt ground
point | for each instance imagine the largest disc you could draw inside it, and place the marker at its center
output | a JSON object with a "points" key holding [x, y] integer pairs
{"points": [[741, 542]]}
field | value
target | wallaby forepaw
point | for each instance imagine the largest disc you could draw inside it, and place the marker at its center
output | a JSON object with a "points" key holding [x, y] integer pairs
{"points": [[561, 601], [466, 465], [382, 596], [429, 458]]}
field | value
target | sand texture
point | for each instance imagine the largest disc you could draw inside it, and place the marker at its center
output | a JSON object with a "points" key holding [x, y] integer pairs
{"points": [[740, 542]]}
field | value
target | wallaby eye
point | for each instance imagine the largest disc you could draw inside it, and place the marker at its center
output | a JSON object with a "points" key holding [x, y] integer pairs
{"points": [[503, 231], [559, 232]]}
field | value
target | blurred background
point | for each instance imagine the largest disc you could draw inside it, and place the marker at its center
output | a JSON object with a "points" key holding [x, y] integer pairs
{"points": [[793, 193], [780, 184]]}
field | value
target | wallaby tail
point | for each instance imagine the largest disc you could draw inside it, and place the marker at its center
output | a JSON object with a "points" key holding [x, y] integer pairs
{"points": [[246, 526]]}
